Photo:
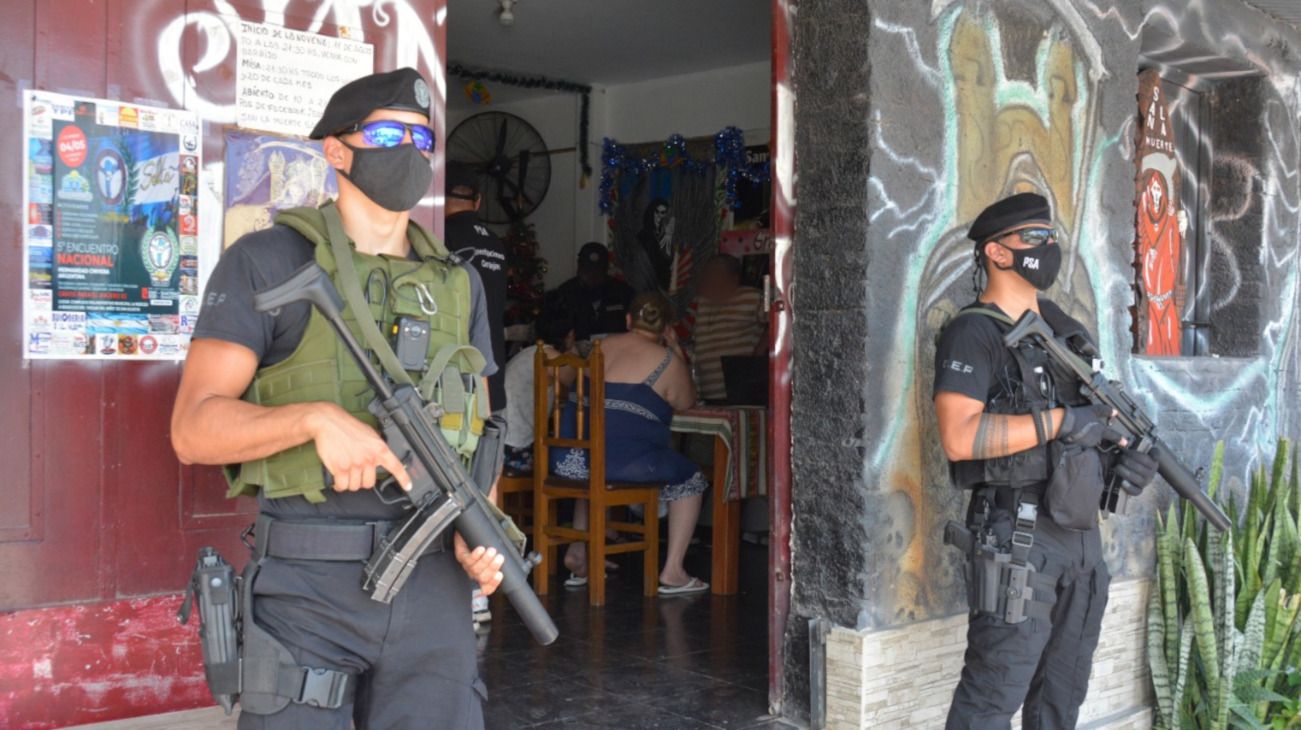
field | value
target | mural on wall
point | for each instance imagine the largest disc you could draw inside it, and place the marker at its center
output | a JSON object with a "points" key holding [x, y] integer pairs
{"points": [[1030, 96], [1161, 223]]}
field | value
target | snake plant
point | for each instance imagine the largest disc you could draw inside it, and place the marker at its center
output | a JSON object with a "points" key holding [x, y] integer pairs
{"points": [[1224, 618]]}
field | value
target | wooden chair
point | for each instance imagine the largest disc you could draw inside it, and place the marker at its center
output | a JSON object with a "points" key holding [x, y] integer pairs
{"points": [[515, 498], [589, 386]]}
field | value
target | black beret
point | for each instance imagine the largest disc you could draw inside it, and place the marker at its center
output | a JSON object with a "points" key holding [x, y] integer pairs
{"points": [[461, 175], [403, 89], [1008, 213]]}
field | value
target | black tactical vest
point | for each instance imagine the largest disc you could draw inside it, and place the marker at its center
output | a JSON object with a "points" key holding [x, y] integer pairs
{"points": [[1041, 387]]}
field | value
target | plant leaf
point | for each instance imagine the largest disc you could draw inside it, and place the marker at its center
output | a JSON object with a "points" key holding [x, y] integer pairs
{"points": [[1202, 617], [1181, 677], [1167, 582], [1156, 658], [1253, 636], [1217, 470]]}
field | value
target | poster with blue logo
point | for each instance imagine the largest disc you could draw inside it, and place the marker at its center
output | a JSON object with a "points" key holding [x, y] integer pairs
{"points": [[112, 229]]}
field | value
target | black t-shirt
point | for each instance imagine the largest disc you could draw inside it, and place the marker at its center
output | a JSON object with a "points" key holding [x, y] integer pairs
{"points": [[971, 359], [262, 260], [474, 243], [594, 311]]}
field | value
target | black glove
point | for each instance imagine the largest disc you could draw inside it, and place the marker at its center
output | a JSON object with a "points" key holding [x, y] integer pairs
{"points": [[1087, 426], [1135, 470]]}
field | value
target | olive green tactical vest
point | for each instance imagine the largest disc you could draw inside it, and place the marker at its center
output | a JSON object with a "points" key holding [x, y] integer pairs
{"points": [[435, 288]]}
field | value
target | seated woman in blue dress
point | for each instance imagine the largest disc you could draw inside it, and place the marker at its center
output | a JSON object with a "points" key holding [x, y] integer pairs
{"points": [[646, 380]]}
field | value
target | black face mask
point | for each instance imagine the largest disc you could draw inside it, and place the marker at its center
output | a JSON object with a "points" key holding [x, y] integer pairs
{"points": [[396, 178], [1038, 265]]}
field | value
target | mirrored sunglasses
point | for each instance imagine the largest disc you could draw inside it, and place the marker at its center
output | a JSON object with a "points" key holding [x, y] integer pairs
{"points": [[390, 133], [1037, 236]]}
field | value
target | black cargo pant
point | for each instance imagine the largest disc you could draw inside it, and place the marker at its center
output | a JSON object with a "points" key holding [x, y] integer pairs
{"points": [[414, 658], [1044, 665]]}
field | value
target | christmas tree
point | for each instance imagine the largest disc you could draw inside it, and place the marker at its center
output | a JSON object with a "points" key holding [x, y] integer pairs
{"points": [[524, 270]]}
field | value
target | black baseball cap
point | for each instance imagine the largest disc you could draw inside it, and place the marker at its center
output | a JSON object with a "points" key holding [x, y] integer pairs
{"points": [[404, 89], [593, 256], [461, 175], [1010, 212]]}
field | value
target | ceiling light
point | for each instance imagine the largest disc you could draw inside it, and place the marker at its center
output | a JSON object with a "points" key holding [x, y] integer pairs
{"points": [[505, 16]]}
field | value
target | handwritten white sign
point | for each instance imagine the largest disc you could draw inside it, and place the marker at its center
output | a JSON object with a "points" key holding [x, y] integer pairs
{"points": [[285, 77]]}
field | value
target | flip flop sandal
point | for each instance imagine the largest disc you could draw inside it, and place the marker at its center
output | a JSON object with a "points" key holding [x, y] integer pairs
{"points": [[578, 581], [695, 585]]}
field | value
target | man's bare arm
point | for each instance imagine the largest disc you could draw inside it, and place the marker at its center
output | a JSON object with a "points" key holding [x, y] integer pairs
{"points": [[211, 425], [967, 432]]}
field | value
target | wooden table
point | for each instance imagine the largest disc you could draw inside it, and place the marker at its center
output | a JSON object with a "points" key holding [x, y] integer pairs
{"points": [[740, 470]]}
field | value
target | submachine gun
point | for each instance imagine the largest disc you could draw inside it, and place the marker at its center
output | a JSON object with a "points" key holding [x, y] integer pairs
{"points": [[442, 495], [1141, 431]]}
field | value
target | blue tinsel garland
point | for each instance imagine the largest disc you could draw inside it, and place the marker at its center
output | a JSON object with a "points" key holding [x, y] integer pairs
{"points": [[729, 154]]}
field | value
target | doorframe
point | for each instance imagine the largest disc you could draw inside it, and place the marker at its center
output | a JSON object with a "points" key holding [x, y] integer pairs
{"points": [[439, 120], [782, 212], [781, 360]]}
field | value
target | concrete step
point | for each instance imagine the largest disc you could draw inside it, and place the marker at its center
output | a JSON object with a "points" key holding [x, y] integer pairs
{"points": [[204, 718]]}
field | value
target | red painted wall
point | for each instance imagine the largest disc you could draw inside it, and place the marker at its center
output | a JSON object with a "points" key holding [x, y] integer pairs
{"points": [[100, 524]]}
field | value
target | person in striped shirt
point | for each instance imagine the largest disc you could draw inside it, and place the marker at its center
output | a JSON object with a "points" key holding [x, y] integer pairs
{"points": [[729, 321]]}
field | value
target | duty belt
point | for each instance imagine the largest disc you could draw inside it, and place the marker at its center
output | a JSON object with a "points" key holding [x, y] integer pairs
{"points": [[330, 541]]}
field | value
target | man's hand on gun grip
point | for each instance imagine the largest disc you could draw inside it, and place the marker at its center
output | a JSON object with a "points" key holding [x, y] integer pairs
{"points": [[1135, 470], [1088, 426], [483, 565], [351, 451]]}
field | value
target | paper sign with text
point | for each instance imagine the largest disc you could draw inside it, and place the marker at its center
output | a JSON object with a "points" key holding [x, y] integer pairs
{"points": [[284, 77]]}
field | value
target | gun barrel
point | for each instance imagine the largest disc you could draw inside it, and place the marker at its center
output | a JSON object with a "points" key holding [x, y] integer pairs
{"points": [[477, 529], [1185, 484]]}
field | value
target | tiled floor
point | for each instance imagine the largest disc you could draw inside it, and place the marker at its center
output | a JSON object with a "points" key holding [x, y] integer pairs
{"points": [[681, 663], [688, 662]]}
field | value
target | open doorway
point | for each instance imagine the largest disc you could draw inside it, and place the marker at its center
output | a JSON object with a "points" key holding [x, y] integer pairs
{"points": [[651, 129]]}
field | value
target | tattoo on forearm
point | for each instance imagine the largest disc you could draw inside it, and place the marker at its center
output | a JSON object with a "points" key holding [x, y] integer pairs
{"points": [[991, 437]]}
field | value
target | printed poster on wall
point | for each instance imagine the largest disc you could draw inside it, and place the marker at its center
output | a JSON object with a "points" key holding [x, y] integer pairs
{"points": [[112, 266], [266, 174]]}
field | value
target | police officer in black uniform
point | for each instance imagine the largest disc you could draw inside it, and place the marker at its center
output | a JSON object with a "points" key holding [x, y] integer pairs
{"points": [[470, 239], [595, 302], [1036, 458], [341, 656]]}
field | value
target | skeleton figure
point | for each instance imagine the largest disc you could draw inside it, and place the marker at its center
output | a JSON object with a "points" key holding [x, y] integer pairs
{"points": [[656, 239], [1160, 239]]}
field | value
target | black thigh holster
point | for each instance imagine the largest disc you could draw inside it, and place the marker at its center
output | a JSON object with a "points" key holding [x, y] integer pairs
{"points": [[1001, 581], [241, 661]]}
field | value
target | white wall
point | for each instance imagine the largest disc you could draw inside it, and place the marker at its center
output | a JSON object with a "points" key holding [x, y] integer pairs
{"points": [[693, 105]]}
